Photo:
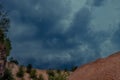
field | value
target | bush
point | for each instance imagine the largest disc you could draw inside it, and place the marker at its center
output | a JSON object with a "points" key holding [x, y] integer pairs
{"points": [[13, 60], [60, 77], [20, 73], [50, 73], [33, 74], [56, 75], [40, 77], [29, 68], [58, 71], [74, 68], [7, 75]]}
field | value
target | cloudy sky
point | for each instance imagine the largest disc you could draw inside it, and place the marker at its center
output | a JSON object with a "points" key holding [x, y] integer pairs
{"points": [[63, 33]]}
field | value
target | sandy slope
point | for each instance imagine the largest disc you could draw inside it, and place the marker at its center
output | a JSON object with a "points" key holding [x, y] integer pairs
{"points": [[102, 69]]}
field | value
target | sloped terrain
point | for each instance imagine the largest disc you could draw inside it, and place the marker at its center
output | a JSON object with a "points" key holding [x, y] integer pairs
{"points": [[101, 69], [15, 68], [54, 74]]}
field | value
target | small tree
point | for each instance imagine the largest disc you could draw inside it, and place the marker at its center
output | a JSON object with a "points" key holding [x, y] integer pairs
{"points": [[74, 68], [20, 73], [1, 36], [4, 26], [65, 69], [11, 59], [51, 75], [8, 46], [58, 71], [33, 74], [29, 68], [7, 75]]}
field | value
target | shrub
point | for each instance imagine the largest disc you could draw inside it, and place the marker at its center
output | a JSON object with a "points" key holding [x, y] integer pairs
{"points": [[40, 77], [74, 68], [20, 73], [29, 68], [50, 73], [58, 71], [7, 75], [13, 60], [60, 77], [33, 74]]}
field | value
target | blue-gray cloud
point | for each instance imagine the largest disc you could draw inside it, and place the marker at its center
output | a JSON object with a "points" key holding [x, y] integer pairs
{"points": [[98, 2], [116, 37], [50, 32]]}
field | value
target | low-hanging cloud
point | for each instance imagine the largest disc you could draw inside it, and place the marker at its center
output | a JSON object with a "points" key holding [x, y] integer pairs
{"points": [[98, 2], [46, 33]]}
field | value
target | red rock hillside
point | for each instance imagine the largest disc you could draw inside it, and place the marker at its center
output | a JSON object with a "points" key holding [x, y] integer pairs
{"points": [[102, 69]]}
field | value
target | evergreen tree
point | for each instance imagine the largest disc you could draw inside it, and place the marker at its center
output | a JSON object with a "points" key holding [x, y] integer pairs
{"points": [[4, 40], [4, 26], [29, 68]]}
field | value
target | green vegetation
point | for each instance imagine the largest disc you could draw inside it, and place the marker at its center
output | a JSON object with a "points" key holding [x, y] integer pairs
{"points": [[7, 43], [29, 68], [40, 77], [57, 75], [1, 36], [4, 40], [20, 73], [4, 26], [7, 75], [50, 73], [33, 74], [60, 77], [74, 68], [12, 60]]}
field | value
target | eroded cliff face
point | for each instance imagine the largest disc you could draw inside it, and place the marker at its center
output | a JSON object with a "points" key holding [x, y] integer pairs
{"points": [[101, 69]]}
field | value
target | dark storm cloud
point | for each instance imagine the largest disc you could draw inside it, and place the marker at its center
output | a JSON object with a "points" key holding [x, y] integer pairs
{"points": [[37, 25], [71, 39], [98, 2], [44, 17], [116, 37], [80, 23], [81, 34], [38, 35]]}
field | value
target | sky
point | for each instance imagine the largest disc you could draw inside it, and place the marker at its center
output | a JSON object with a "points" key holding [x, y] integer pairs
{"points": [[63, 33]]}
